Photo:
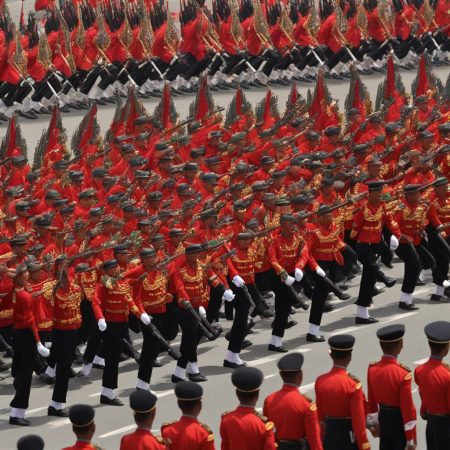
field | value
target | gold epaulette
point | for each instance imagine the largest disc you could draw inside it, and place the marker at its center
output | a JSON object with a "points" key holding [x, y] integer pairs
{"points": [[208, 430], [225, 413], [163, 441], [167, 424], [356, 380], [309, 399], [446, 366], [403, 366], [373, 363], [6, 255]]}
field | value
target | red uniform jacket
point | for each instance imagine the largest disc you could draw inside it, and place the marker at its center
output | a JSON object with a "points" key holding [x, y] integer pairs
{"points": [[244, 429], [142, 440], [23, 311], [389, 384], [294, 416], [340, 395], [188, 434]]}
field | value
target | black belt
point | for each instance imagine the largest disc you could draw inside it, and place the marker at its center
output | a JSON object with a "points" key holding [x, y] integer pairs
{"points": [[293, 445], [389, 408]]}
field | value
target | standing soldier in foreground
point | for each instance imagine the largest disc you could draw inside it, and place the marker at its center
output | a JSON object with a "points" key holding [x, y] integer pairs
{"points": [[244, 428], [83, 426], [392, 413], [293, 414], [143, 404], [433, 379], [188, 433], [340, 400]]}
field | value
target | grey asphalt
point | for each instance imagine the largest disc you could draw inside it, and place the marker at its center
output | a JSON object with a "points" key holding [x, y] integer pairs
{"points": [[219, 396]]}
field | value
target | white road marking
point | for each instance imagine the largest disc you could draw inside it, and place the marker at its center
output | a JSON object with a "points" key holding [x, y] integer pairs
{"points": [[270, 376], [118, 431], [345, 330], [59, 423], [32, 411], [399, 316], [267, 359], [163, 393], [307, 387], [96, 394], [420, 361]]}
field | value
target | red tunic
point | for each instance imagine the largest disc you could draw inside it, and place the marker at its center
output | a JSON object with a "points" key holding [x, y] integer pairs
{"points": [[389, 384], [188, 434], [244, 429], [23, 311], [294, 416], [143, 439]]}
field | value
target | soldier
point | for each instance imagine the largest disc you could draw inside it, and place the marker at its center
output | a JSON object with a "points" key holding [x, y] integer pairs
{"points": [[83, 426], [433, 379], [31, 442], [143, 405], [391, 410], [112, 304], [367, 229], [25, 342], [188, 433], [341, 401], [293, 414], [245, 420]]}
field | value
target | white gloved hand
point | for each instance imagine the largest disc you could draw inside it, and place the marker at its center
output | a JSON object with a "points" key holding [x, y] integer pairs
{"points": [[298, 274], [446, 283], [102, 324], [145, 318], [228, 295], [238, 281], [320, 272], [289, 281], [393, 244], [44, 352], [202, 311]]}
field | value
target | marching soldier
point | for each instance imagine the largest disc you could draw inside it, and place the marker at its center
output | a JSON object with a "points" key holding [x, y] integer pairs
{"points": [[433, 379], [391, 410], [188, 433], [112, 304], [245, 420], [368, 224], [341, 401], [294, 415]]}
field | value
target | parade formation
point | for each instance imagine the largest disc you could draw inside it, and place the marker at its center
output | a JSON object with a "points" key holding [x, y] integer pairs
{"points": [[171, 227]]}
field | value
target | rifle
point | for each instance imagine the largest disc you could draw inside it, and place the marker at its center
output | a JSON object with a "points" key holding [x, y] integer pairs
{"points": [[206, 328], [173, 353]]}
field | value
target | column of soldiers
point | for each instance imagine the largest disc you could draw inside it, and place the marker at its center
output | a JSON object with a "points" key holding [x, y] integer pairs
{"points": [[92, 49], [337, 420], [158, 224]]}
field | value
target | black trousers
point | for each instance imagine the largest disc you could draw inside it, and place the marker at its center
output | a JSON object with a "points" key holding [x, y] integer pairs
{"points": [[241, 307], [63, 349], [441, 255], [392, 434], [41, 363], [88, 322], [171, 322], [321, 290], [438, 432], [215, 302], [112, 347], [367, 254], [94, 346], [339, 435], [189, 337], [285, 298], [150, 348], [414, 261], [24, 346]]}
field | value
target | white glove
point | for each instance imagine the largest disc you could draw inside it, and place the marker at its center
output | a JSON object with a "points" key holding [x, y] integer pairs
{"points": [[202, 311], [102, 324], [393, 243], [298, 274], [228, 295], [446, 283], [320, 272], [145, 319], [44, 352], [238, 281], [289, 281]]}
